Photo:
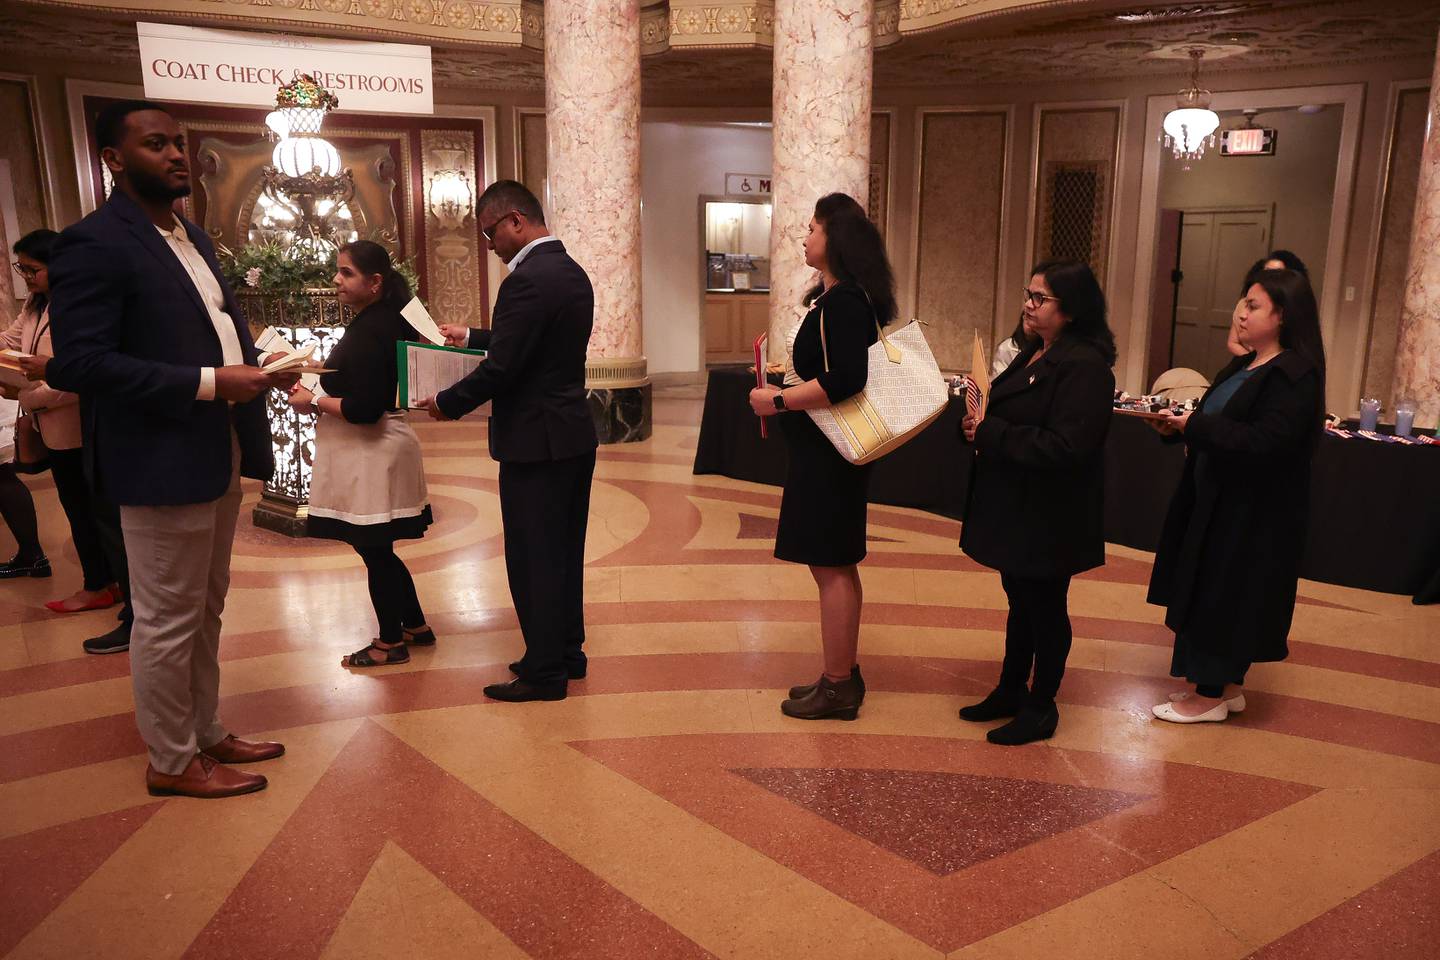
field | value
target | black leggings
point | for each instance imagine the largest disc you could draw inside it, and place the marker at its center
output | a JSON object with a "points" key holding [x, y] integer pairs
{"points": [[1037, 632], [392, 591], [18, 509], [68, 468]]}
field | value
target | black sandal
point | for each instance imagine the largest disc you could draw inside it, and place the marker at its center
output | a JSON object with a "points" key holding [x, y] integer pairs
{"points": [[362, 658], [422, 637]]}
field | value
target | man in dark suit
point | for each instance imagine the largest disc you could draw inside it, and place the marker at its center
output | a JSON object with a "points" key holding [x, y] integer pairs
{"points": [[541, 432], [148, 333]]}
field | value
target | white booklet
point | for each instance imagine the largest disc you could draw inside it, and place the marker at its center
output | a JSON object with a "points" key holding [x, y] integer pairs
{"points": [[11, 375], [420, 319]]}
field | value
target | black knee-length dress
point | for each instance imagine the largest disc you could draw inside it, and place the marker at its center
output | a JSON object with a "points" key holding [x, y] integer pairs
{"points": [[822, 512]]}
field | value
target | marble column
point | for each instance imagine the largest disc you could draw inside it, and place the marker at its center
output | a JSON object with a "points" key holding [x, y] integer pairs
{"points": [[823, 77], [592, 101], [1417, 354]]}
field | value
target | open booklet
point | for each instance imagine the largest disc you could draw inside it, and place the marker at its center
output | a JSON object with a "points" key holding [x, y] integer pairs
{"points": [[427, 368]]}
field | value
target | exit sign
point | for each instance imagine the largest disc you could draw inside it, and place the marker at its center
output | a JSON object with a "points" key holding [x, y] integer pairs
{"points": [[1247, 142]]}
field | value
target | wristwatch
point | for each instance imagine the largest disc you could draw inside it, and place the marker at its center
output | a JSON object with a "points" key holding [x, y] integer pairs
{"points": [[780, 400]]}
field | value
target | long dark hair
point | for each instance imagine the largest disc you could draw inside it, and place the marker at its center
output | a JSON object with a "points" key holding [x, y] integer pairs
{"points": [[37, 245], [1082, 300], [856, 253], [1289, 291], [1291, 262], [371, 258]]}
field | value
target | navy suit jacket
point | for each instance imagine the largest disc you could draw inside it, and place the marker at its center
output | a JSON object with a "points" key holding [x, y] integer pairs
{"points": [[535, 366], [131, 333]]}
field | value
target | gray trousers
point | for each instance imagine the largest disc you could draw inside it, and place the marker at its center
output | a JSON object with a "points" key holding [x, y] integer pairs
{"points": [[179, 573]]}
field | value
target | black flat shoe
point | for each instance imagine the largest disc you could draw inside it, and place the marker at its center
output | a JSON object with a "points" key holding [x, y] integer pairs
{"points": [[573, 671], [116, 641], [522, 691], [828, 701], [1002, 702], [1029, 726], [800, 693], [21, 567]]}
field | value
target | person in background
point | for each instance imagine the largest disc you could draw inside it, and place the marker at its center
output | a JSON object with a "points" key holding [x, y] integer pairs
{"points": [[1010, 348], [1274, 260], [368, 484], [823, 508], [57, 418], [1228, 563], [1037, 489]]}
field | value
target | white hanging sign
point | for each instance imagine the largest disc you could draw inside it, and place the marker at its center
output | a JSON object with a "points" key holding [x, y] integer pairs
{"points": [[224, 66], [747, 184]]}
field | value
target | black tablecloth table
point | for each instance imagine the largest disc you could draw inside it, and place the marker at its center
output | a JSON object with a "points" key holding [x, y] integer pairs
{"points": [[1375, 507]]}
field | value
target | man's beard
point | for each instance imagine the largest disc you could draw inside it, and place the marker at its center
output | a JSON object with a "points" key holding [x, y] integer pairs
{"points": [[156, 188]]}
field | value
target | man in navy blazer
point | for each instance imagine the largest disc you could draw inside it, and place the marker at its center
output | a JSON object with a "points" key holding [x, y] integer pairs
{"points": [[541, 431], [146, 330]]}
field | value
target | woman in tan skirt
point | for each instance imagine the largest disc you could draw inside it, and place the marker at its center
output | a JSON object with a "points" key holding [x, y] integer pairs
{"points": [[368, 484]]}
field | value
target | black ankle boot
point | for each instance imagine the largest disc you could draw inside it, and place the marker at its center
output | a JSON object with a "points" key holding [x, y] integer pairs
{"points": [[828, 701], [800, 693], [1033, 723], [1002, 702]]}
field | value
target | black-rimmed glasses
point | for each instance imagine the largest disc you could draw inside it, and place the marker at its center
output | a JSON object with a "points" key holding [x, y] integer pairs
{"points": [[1037, 299], [27, 272], [489, 232]]}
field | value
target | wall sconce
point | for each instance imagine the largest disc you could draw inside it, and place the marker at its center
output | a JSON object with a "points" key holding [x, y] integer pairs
{"points": [[451, 198]]}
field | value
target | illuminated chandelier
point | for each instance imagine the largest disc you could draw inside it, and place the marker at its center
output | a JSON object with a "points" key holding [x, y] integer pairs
{"points": [[1191, 126], [305, 178]]}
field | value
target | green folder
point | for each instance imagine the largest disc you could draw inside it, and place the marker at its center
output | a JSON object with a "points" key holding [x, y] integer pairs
{"points": [[402, 364]]}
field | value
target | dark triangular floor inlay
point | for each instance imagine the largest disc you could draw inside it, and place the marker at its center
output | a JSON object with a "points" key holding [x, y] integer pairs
{"points": [[943, 822]]}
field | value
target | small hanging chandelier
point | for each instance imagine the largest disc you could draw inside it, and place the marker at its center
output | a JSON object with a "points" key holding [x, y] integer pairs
{"points": [[305, 179], [1191, 126]]}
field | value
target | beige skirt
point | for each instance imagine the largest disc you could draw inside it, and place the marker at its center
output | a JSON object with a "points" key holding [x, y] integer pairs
{"points": [[368, 481]]}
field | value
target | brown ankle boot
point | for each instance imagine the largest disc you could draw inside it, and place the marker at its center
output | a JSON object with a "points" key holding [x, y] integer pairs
{"points": [[829, 700]]}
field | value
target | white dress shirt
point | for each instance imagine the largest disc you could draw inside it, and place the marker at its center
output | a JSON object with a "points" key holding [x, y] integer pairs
{"points": [[525, 251], [214, 299]]}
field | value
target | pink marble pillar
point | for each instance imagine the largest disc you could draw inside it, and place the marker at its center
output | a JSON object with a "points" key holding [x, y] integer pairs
{"points": [[1417, 354], [823, 78], [592, 98]]}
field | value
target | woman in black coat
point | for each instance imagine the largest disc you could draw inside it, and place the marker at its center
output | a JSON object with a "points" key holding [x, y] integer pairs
{"points": [[1037, 489], [822, 512], [1229, 557]]}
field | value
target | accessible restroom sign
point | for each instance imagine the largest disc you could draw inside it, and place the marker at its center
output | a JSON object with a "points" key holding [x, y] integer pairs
{"points": [[224, 66]]}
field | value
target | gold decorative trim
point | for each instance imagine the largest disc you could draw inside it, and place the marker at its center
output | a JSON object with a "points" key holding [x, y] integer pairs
{"points": [[453, 255], [615, 373]]}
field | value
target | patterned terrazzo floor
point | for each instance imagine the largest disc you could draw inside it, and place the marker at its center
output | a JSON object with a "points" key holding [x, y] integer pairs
{"points": [[667, 809]]}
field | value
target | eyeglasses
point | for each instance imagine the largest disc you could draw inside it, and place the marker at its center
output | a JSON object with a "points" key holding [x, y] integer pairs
{"points": [[27, 272], [489, 232], [1037, 299]]}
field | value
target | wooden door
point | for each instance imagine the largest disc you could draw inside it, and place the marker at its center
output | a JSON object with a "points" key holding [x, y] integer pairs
{"points": [[1217, 246]]}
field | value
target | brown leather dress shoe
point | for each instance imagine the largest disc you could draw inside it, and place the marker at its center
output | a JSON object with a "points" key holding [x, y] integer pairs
{"points": [[203, 779], [234, 750]]}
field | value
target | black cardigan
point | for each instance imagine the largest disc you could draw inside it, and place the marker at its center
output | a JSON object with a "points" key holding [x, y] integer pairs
{"points": [[366, 370], [1037, 490], [850, 331]]}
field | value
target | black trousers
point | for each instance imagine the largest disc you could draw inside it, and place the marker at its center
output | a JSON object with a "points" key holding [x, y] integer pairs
{"points": [[17, 506], [1037, 633], [544, 507], [106, 516], [392, 591], [68, 468]]}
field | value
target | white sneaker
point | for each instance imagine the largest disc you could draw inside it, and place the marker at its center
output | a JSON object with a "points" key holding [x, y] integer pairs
{"points": [[1167, 711], [1235, 703]]}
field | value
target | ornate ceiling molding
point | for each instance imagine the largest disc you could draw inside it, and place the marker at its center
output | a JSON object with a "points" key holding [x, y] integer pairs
{"points": [[508, 23]]}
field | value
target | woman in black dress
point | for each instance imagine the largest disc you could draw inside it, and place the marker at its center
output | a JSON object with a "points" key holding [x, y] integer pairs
{"points": [[822, 512], [1037, 489], [1228, 563], [368, 484]]}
